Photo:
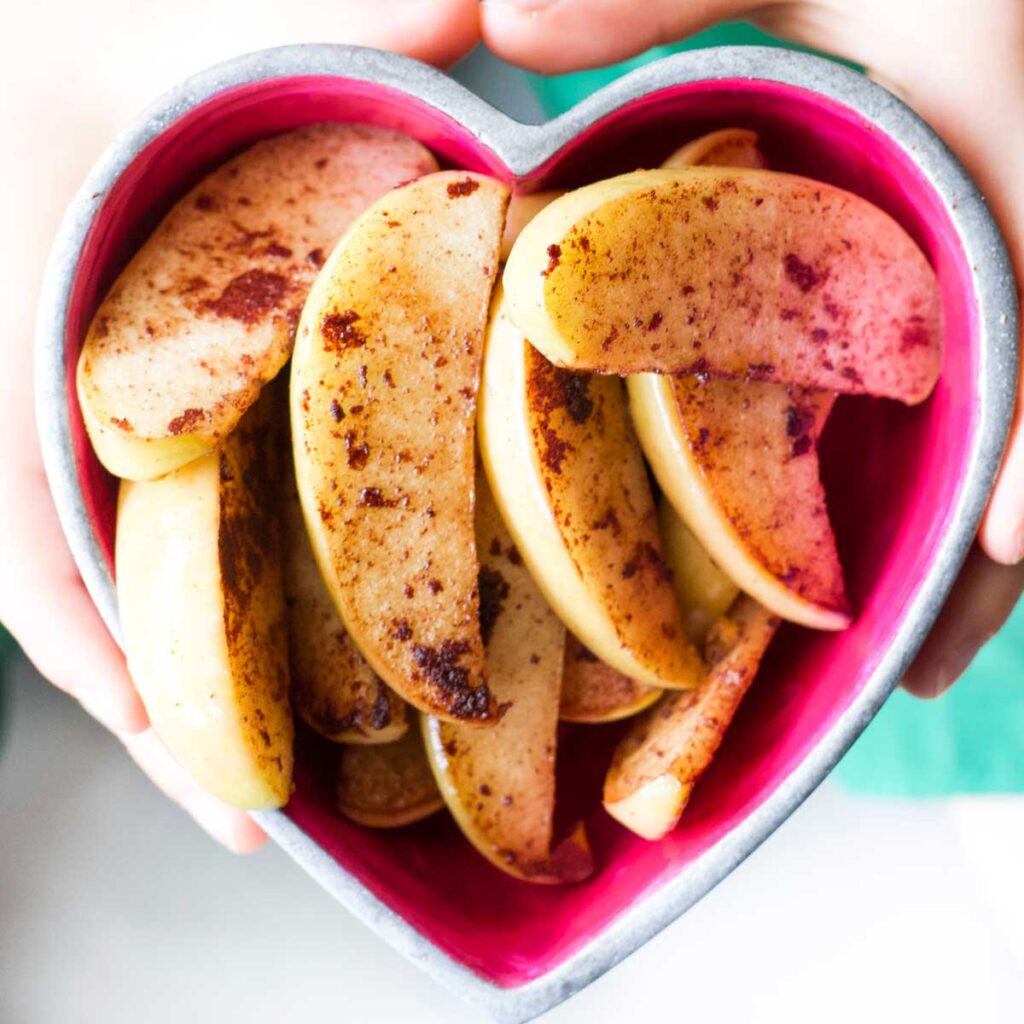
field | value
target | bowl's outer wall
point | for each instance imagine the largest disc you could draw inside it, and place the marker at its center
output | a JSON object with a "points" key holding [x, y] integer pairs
{"points": [[896, 481]]}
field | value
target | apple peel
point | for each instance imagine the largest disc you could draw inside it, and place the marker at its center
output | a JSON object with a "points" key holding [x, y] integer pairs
{"points": [[733, 272]]}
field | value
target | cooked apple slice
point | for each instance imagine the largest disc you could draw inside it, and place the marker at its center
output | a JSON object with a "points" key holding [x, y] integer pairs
{"points": [[594, 692], [384, 383], [499, 783], [566, 470], [729, 147], [387, 785], [333, 689], [704, 591], [731, 272], [741, 464], [202, 610], [659, 760], [203, 315]]}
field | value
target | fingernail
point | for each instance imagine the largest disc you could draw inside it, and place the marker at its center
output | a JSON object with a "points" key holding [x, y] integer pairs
{"points": [[1017, 545]]}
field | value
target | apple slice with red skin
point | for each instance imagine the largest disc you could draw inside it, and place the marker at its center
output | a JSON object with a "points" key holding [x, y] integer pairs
{"points": [[658, 762], [739, 463], [734, 272], [204, 314], [566, 469], [499, 783], [387, 785]]}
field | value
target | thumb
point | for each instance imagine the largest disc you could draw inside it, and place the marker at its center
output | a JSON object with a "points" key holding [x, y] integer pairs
{"points": [[554, 36]]}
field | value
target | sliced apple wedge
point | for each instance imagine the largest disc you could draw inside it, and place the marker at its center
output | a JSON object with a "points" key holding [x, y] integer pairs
{"points": [[704, 591], [333, 689], [594, 692], [202, 610], [387, 785], [729, 147], [566, 470], [742, 471], [731, 272], [659, 760], [740, 463], [499, 783], [203, 315], [383, 392]]}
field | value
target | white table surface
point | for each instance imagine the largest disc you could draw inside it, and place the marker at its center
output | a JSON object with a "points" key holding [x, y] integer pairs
{"points": [[114, 908]]}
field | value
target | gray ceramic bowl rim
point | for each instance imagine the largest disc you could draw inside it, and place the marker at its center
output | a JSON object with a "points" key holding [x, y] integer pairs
{"points": [[523, 148]]}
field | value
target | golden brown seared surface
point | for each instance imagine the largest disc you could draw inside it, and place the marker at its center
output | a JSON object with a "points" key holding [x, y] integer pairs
{"points": [[500, 782], [384, 386], [747, 273], [679, 736], [756, 447], [333, 688], [249, 553], [595, 692], [204, 314], [600, 496], [202, 609], [387, 785]]}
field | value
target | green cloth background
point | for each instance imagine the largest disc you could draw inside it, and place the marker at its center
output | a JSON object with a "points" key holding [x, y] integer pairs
{"points": [[970, 741]]}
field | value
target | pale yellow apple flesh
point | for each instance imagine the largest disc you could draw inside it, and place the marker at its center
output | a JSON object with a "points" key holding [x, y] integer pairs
{"points": [[666, 750], [202, 610], [733, 272], [594, 692], [704, 591], [383, 397], [566, 470], [387, 785], [204, 313], [499, 783], [333, 689]]}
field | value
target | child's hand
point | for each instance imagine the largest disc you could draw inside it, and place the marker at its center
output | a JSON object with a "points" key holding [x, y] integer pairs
{"points": [[960, 63], [42, 599]]}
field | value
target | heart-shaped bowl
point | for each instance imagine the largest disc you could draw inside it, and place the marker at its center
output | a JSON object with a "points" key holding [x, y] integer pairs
{"points": [[905, 486]]}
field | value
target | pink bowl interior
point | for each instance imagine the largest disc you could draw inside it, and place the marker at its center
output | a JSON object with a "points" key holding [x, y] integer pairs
{"points": [[892, 476]]}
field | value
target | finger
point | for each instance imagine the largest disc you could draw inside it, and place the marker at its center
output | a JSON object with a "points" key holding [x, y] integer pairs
{"points": [[983, 596], [554, 36], [49, 612], [984, 129], [228, 825], [439, 32]]}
